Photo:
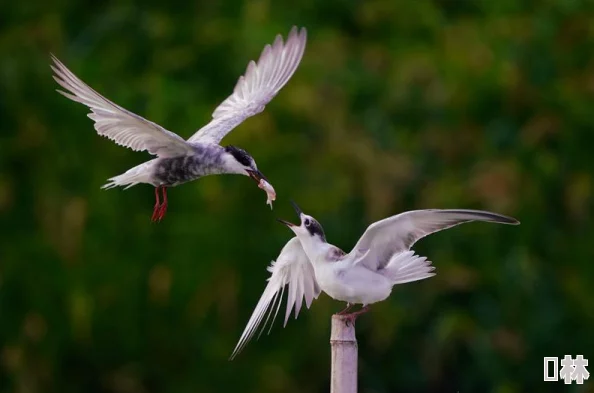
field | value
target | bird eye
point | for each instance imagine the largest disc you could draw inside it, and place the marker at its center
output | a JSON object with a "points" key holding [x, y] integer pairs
{"points": [[307, 222]]}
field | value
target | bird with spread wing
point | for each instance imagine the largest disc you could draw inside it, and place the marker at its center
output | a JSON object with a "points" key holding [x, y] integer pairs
{"points": [[382, 258], [177, 160]]}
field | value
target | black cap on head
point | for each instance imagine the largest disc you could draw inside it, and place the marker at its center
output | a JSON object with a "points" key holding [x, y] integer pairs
{"points": [[314, 227], [240, 155]]}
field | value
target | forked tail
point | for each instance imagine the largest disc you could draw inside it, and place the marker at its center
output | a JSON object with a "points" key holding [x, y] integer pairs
{"points": [[407, 267], [139, 174]]}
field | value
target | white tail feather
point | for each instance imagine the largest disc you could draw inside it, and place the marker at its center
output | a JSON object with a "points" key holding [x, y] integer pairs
{"points": [[139, 174], [407, 267]]}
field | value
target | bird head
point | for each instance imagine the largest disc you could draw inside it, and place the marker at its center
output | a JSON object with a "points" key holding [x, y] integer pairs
{"points": [[309, 231], [239, 161]]}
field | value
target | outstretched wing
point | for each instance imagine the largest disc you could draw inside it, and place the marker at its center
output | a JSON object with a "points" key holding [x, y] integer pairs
{"points": [[291, 268], [398, 233], [261, 82], [116, 123]]}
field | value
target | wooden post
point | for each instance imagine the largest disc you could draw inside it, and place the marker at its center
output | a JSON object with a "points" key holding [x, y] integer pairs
{"points": [[344, 356]]}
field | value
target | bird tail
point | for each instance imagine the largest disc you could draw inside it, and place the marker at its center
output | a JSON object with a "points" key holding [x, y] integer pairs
{"points": [[139, 174], [407, 267]]}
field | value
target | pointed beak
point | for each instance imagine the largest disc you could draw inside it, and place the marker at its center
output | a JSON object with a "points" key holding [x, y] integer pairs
{"points": [[290, 224], [297, 208], [256, 175], [287, 223]]}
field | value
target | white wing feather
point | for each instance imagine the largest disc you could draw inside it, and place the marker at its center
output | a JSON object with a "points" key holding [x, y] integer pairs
{"points": [[291, 268], [116, 123], [398, 233], [261, 82]]}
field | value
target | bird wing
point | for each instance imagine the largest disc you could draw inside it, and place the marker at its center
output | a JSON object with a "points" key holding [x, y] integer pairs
{"points": [[118, 124], [398, 233], [261, 82], [291, 268]]}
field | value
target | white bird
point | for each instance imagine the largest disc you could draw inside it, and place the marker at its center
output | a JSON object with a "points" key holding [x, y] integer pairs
{"points": [[179, 161], [382, 258]]}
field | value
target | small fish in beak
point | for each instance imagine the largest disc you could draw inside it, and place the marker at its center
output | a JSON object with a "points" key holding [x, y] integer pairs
{"points": [[259, 178], [270, 193]]}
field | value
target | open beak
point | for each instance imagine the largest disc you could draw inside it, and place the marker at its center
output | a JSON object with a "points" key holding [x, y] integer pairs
{"points": [[256, 175], [297, 210], [287, 223]]}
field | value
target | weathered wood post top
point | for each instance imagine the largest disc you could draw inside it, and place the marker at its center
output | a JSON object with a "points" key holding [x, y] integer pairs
{"points": [[344, 356]]}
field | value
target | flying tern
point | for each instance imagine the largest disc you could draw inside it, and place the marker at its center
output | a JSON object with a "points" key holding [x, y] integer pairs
{"points": [[382, 258], [179, 161]]}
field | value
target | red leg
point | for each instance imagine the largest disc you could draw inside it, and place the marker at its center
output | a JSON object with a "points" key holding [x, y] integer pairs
{"points": [[349, 305], [157, 205], [353, 316], [163, 208]]}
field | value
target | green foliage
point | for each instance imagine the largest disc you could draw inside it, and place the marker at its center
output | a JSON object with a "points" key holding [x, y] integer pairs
{"points": [[397, 105]]}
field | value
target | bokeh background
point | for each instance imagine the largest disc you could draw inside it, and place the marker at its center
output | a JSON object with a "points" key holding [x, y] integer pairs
{"points": [[397, 105]]}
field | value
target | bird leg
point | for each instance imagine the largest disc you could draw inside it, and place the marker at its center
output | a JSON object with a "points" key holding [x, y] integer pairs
{"points": [[157, 205], [348, 306], [160, 207], [353, 316], [163, 207]]}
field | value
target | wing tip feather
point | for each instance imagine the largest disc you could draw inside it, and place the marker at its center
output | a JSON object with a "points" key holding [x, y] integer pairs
{"points": [[489, 216]]}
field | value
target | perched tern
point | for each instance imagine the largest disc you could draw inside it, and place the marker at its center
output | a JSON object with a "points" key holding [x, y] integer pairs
{"points": [[382, 258], [179, 161]]}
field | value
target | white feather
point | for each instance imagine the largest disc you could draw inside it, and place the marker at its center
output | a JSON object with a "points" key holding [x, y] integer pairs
{"points": [[116, 123], [260, 83], [399, 233], [291, 268]]}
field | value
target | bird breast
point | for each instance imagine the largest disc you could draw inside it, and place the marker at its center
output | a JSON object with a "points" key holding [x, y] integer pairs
{"points": [[176, 170], [353, 284]]}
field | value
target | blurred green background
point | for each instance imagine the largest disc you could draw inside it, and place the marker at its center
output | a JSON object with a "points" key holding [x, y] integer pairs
{"points": [[397, 105]]}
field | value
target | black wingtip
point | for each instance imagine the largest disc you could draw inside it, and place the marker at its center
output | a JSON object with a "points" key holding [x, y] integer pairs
{"points": [[483, 215], [500, 218], [503, 219]]}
